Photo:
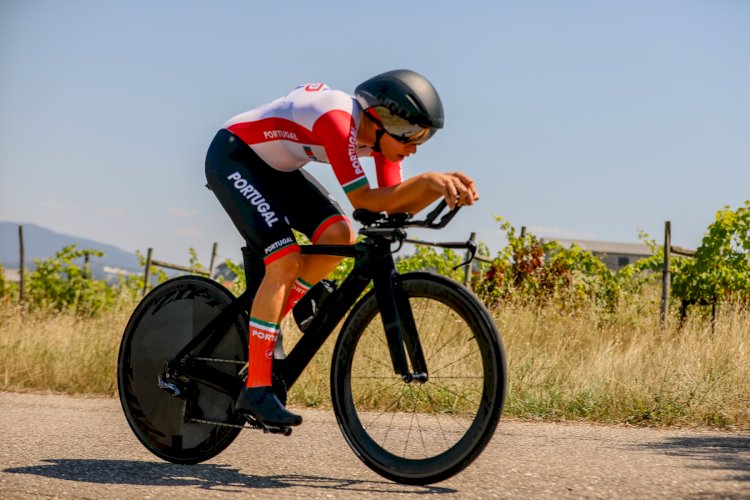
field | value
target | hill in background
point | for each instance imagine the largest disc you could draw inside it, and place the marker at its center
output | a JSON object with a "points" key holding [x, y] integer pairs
{"points": [[43, 243]]}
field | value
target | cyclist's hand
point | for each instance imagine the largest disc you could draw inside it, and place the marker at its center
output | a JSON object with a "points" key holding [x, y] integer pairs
{"points": [[471, 195], [452, 188]]}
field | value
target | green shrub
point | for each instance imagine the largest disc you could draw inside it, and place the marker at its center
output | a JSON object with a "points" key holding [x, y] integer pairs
{"points": [[720, 270], [59, 283], [532, 271], [8, 289]]}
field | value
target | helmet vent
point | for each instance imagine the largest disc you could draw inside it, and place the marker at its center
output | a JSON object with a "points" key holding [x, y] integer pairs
{"points": [[416, 103]]}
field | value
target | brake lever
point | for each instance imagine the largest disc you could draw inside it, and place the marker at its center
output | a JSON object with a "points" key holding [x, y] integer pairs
{"points": [[471, 246]]}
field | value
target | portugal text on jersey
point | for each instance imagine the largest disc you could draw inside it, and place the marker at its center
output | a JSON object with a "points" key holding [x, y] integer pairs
{"points": [[254, 197]]}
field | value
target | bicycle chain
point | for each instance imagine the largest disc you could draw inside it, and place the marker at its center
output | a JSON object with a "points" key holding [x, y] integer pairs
{"points": [[220, 360], [286, 431], [220, 424]]}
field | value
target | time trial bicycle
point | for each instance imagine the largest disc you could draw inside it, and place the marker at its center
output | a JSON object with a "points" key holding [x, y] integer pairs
{"points": [[418, 374]]}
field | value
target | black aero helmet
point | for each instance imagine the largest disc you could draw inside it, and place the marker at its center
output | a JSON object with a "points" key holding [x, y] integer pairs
{"points": [[404, 102]]}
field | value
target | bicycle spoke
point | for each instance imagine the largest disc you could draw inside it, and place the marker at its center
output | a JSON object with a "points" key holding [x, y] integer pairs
{"points": [[393, 415], [376, 335], [388, 408], [421, 317], [442, 324], [461, 396], [450, 415], [385, 389], [376, 361], [408, 433], [440, 425], [453, 362], [448, 342], [421, 437]]}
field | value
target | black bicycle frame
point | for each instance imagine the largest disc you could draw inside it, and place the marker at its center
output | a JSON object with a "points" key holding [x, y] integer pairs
{"points": [[373, 263]]}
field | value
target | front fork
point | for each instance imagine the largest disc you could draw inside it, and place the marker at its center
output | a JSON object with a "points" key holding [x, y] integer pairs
{"points": [[398, 323]]}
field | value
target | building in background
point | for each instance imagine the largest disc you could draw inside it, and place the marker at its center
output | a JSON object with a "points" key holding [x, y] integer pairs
{"points": [[614, 255]]}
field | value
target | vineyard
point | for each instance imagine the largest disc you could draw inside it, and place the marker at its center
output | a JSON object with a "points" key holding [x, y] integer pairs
{"points": [[583, 342]]}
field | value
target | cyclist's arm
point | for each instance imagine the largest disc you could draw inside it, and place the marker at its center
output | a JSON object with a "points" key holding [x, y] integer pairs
{"points": [[416, 193], [388, 172]]}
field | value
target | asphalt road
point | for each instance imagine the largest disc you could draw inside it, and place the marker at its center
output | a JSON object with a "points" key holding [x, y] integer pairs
{"points": [[71, 447]]}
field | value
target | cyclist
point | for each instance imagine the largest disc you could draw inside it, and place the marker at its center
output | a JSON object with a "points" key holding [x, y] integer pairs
{"points": [[254, 167]]}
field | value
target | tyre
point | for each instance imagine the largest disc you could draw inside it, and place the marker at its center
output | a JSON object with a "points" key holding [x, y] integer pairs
{"points": [[420, 433], [161, 325]]}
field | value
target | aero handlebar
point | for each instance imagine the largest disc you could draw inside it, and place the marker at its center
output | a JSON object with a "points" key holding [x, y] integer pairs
{"points": [[402, 220], [377, 222]]}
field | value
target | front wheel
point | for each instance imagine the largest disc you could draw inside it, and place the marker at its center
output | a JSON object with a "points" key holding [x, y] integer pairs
{"points": [[420, 433]]}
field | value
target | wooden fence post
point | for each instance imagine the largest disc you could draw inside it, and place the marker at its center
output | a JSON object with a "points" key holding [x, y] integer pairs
{"points": [[147, 277], [87, 265], [469, 266], [213, 260], [21, 265], [666, 277]]}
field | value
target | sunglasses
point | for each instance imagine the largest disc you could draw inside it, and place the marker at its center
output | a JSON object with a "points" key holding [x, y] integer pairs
{"points": [[400, 129]]}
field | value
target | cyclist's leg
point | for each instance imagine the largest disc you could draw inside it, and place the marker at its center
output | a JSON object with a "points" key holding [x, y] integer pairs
{"points": [[258, 398], [322, 220], [247, 189], [266, 310], [317, 267]]}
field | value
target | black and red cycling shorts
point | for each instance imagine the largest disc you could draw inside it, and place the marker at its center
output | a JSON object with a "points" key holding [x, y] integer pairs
{"points": [[264, 203]]}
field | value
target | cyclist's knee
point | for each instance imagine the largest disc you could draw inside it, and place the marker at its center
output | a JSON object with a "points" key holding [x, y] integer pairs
{"points": [[286, 268], [340, 233]]}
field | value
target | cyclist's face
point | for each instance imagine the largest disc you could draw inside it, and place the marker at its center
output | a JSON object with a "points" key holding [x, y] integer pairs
{"points": [[395, 150]]}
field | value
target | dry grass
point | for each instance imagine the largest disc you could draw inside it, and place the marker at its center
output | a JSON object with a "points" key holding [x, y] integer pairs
{"points": [[625, 369], [313, 388], [59, 352], [617, 368]]}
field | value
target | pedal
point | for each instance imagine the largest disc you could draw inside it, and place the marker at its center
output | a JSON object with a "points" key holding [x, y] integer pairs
{"points": [[255, 424], [284, 431]]}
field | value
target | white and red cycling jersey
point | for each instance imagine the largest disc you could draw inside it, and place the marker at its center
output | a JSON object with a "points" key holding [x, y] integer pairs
{"points": [[312, 123]]}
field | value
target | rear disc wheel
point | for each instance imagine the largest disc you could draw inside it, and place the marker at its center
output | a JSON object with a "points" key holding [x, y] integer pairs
{"points": [[162, 324]]}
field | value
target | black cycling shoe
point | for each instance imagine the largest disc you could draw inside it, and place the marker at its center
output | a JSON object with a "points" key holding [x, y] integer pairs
{"points": [[262, 404]]}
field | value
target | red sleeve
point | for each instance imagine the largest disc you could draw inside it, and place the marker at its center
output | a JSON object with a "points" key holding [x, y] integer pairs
{"points": [[337, 132], [389, 172]]}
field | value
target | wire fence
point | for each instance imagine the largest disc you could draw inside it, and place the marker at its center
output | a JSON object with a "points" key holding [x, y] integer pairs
{"points": [[669, 250]]}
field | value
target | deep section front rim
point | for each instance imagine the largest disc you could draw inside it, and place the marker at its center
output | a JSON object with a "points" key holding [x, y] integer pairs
{"points": [[421, 433]]}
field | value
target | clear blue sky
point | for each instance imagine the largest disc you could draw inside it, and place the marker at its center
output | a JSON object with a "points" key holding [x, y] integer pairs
{"points": [[588, 119]]}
